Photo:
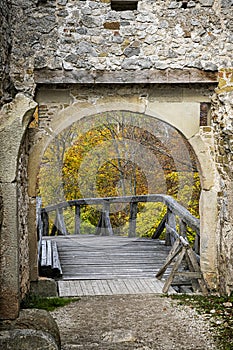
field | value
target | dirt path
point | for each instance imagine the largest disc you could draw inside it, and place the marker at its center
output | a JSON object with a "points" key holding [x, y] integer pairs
{"points": [[147, 322]]}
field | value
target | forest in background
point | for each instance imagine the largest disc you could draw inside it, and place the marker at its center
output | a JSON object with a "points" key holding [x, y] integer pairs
{"points": [[119, 154]]}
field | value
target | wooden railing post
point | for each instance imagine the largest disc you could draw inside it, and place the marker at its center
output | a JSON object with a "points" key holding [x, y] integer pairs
{"points": [[59, 224], [45, 223], [197, 244], [77, 220], [171, 222], [183, 228], [160, 227], [133, 219], [104, 227]]}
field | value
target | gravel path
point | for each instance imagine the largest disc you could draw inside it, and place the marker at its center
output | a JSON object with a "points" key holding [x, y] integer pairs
{"points": [[146, 322]]}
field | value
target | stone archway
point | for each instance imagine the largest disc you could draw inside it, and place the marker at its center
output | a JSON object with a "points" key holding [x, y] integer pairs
{"points": [[14, 120], [199, 139], [16, 117]]}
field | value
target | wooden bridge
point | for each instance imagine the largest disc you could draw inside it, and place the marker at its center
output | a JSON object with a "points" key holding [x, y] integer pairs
{"points": [[105, 264]]}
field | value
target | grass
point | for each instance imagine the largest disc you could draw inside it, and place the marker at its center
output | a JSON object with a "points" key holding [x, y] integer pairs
{"points": [[49, 304], [219, 311]]}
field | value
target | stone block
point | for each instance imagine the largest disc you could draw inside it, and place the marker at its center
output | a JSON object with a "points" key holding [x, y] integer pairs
{"points": [[33, 329], [20, 339], [9, 259], [53, 96], [112, 25], [207, 168], [183, 116], [32, 240], [208, 228], [14, 119], [44, 287]]}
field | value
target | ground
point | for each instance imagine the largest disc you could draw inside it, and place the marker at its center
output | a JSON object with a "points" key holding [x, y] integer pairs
{"points": [[132, 322]]}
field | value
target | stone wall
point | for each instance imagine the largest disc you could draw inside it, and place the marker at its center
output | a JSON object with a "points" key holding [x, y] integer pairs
{"points": [[81, 42], [23, 202], [6, 87], [222, 116], [14, 120], [71, 40]]}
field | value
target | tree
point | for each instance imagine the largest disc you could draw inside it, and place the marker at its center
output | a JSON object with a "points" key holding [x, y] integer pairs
{"points": [[120, 156]]}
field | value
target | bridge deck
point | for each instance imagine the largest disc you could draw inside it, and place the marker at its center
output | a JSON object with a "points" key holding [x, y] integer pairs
{"points": [[97, 265]]}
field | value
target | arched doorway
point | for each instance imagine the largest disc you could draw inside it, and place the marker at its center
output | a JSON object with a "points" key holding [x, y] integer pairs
{"points": [[77, 110]]}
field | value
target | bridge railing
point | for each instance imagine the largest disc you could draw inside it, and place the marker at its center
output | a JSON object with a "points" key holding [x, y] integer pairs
{"points": [[175, 221]]}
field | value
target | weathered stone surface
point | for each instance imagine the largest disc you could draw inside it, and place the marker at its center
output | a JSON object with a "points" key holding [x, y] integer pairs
{"points": [[14, 119], [14, 254], [45, 287], [85, 42], [208, 225], [26, 339], [33, 329], [176, 38], [119, 336], [222, 116], [153, 76], [9, 255], [7, 90]]}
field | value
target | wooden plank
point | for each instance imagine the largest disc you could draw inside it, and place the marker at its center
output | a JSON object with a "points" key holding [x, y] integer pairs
{"points": [[188, 274], [79, 289], [48, 254], [138, 258], [196, 268], [174, 269], [106, 287], [56, 266], [87, 288], [160, 228], [77, 221], [73, 290], [133, 219], [165, 266], [171, 223], [45, 223], [43, 252], [63, 288], [110, 287], [61, 226]]}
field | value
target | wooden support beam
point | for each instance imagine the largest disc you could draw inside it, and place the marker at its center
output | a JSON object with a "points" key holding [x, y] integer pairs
{"points": [[176, 249], [59, 225], [171, 222], [160, 228], [45, 223], [183, 228], [196, 268], [77, 220], [133, 219], [174, 270], [104, 227]]}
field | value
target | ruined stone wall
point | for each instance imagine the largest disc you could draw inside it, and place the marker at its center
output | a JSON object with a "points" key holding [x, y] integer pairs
{"points": [[6, 88], [222, 116], [23, 202], [74, 39]]}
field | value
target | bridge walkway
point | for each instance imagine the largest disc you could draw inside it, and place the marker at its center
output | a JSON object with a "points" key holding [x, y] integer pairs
{"points": [[109, 265]]}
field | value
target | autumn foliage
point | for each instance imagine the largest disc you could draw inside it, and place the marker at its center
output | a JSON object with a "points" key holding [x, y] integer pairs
{"points": [[119, 154]]}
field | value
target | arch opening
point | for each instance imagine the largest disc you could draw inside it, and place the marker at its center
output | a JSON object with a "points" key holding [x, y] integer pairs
{"points": [[78, 110], [120, 153]]}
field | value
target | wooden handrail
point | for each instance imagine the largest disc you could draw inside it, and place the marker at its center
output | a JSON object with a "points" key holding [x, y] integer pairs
{"points": [[170, 202]]}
